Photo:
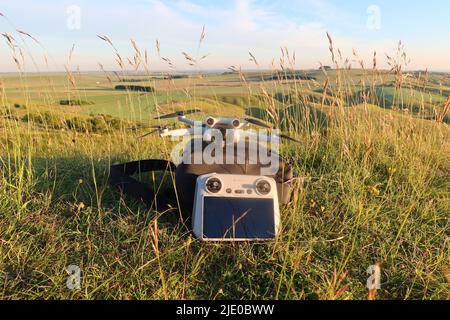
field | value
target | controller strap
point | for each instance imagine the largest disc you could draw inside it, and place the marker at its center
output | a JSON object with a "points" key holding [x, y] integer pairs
{"points": [[121, 178]]}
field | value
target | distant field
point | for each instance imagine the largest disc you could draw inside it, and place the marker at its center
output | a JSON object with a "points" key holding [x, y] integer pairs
{"points": [[47, 90]]}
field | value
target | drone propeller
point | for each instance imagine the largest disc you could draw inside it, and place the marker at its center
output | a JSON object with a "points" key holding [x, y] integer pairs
{"points": [[160, 129], [265, 125], [285, 136], [178, 114], [258, 123], [141, 128]]}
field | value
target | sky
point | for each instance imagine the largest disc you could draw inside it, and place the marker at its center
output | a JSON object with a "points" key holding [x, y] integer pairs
{"points": [[233, 29]]}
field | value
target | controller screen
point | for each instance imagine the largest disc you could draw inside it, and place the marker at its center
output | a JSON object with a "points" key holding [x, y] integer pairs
{"points": [[238, 218]]}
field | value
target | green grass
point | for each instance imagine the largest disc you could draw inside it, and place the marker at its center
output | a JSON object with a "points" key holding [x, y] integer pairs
{"points": [[375, 188], [409, 99]]}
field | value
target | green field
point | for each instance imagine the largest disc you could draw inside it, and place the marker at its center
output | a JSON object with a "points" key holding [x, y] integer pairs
{"points": [[374, 188]]}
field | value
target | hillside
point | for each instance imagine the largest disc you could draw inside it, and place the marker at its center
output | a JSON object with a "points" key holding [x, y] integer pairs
{"points": [[375, 187]]}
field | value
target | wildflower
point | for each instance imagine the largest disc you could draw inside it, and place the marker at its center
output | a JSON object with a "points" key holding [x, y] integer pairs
{"points": [[392, 170]]}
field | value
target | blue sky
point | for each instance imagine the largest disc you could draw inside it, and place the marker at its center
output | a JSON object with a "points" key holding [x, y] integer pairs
{"points": [[233, 28]]}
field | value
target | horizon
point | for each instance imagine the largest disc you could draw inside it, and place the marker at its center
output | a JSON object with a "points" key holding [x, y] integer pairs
{"points": [[203, 71], [232, 30]]}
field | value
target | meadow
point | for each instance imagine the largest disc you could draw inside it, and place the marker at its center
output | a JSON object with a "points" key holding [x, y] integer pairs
{"points": [[373, 187]]}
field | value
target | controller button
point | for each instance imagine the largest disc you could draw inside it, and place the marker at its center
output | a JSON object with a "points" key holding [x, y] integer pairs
{"points": [[214, 185], [263, 187]]}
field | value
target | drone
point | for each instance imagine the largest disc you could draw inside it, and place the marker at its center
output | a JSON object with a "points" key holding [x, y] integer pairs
{"points": [[232, 201], [236, 125]]}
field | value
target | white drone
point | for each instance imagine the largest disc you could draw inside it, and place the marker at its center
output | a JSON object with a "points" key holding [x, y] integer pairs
{"points": [[224, 124]]}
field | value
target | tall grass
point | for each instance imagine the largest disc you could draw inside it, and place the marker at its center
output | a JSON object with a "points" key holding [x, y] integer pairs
{"points": [[374, 188]]}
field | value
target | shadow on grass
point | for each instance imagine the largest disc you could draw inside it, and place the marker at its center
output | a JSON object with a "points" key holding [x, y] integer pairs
{"points": [[79, 179]]}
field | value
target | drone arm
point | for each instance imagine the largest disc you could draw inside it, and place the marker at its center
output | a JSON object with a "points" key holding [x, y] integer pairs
{"points": [[186, 121]]}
